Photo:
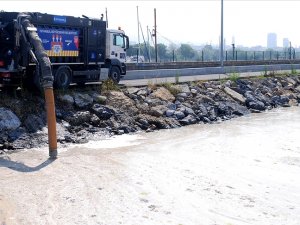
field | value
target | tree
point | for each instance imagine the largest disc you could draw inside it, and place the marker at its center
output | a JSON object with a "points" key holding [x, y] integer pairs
{"points": [[162, 52], [186, 52]]}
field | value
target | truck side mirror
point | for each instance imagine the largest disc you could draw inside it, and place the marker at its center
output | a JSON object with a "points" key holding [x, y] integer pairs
{"points": [[127, 42]]}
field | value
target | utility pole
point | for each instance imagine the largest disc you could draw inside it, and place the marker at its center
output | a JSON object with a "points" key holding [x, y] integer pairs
{"points": [[155, 35], [222, 38], [138, 23], [148, 44], [106, 18]]}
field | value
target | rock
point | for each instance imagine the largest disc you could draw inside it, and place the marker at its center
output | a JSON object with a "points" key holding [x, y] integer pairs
{"points": [[188, 120], [172, 106], [293, 102], [79, 118], [189, 111], [228, 83], [67, 99], [184, 88], [8, 120], [132, 90], [201, 110], [205, 99], [83, 100], [298, 88], [182, 95], [118, 100], [15, 134], [236, 96], [231, 108], [281, 100], [194, 91], [99, 98], [34, 123], [163, 94], [291, 81], [159, 122], [158, 110], [179, 115], [170, 112], [142, 92], [256, 105], [95, 120], [212, 113], [103, 112]]}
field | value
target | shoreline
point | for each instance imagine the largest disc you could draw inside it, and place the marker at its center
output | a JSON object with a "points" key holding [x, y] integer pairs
{"points": [[88, 114]]}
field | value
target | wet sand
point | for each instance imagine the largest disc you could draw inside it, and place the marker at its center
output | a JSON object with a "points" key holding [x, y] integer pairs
{"points": [[243, 171]]}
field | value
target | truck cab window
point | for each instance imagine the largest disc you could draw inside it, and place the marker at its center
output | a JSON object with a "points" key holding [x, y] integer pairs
{"points": [[119, 40]]}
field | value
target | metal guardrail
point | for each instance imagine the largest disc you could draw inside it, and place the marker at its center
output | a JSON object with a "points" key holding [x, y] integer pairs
{"points": [[161, 73], [197, 64]]}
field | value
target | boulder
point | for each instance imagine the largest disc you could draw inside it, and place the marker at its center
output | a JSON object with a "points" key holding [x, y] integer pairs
{"points": [[67, 99], [83, 100], [236, 96], [33, 123], [170, 112], [182, 95], [120, 101], [188, 120], [256, 105], [281, 100], [79, 118], [158, 110], [205, 99], [291, 81], [163, 94], [142, 92], [103, 112], [172, 106], [8, 120], [132, 90], [184, 88], [101, 99], [194, 91], [179, 115]]}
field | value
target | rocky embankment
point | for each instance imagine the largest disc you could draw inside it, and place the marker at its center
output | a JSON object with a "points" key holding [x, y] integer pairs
{"points": [[88, 115]]}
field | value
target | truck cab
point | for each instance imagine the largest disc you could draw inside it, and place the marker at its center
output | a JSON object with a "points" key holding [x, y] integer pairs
{"points": [[116, 45]]}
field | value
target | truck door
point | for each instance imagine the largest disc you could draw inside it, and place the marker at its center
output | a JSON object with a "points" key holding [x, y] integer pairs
{"points": [[96, 45]]}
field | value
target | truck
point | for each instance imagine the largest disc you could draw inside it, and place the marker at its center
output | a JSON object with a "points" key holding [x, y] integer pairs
{"points": [[80, 49]]}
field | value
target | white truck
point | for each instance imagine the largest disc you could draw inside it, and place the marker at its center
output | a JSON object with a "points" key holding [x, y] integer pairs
{"points": [[81, 50]]}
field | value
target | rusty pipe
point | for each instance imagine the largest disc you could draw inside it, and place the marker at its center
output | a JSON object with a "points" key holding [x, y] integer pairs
{"points": [[44, 64], [51, 122]]}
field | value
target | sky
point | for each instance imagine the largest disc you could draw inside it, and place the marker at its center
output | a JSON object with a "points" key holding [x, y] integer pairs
{"points": [[198, 22]]}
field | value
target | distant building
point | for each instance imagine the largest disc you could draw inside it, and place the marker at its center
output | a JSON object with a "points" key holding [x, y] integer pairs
{"points": [[272, 40], [285, 43]]}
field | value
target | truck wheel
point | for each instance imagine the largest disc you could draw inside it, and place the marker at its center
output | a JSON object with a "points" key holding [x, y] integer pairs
{"points": [[62, 78], [115, 74]]}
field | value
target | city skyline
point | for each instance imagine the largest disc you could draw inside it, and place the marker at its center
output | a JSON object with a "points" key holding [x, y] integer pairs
{"points": [[196, 22]]}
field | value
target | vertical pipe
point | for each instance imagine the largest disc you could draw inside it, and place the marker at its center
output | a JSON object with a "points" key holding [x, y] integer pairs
{"points": [[149, 53], [106, 18], [51, 122], [138, 24], [173, 55], [222, 38], [155, 34]]}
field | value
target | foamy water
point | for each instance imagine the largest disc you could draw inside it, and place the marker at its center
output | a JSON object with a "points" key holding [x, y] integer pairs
{"points": [[243, 171]]}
